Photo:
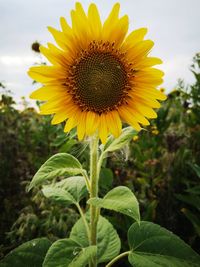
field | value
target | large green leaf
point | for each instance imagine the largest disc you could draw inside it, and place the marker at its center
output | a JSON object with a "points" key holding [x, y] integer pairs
{"points": [[154, 246], [68, 253], [29, 254], [58, 165], [108, 242], [68, 191], [120, 199], [118, 143]]}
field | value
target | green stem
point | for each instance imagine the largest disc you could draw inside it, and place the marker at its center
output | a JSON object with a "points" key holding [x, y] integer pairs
{"points": [[100, 161], [94, 213], [117, 258], [87, 181], [84, 220]]}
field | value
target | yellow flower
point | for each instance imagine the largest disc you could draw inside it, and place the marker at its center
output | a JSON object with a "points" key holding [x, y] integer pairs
{"points": [[155, 132], [99, 76], [135, 138]]}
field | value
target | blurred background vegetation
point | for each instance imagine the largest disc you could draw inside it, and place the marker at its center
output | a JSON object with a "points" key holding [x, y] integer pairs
{"points": [[161, 165]]}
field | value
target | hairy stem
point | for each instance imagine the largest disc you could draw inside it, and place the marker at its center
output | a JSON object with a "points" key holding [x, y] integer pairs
{"points": [[94, 212], [117, 258]]}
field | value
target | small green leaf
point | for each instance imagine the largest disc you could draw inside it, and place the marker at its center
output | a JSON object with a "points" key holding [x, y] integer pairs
{"points": [[58, 165], [120, 199], [107, 239], [68, 191], [118, 143], [68, 253], [154, 246], [29, 254]]}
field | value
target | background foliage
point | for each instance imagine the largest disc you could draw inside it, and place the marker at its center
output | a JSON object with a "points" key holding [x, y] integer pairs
{"points": [[162, 167]]}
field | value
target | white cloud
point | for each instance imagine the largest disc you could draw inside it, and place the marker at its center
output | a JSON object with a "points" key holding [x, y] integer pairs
{"points": [[14, 61]]}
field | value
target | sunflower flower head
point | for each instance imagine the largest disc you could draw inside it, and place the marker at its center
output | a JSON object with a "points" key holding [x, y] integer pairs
{"points": [[99, 76]]}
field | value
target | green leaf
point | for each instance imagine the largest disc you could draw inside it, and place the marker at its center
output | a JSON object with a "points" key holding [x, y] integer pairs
{"points": [[193, 219], [196, 169], [190, 199], [29, 254], [68, 191], [118, 143], [58, 165], [58, 195], [84, 257], [75, 186], [120, 199], [154, 246], [68, 253], [107, 239]]}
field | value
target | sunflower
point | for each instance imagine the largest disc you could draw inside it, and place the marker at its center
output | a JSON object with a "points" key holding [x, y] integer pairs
{"points": [[100, 75]]}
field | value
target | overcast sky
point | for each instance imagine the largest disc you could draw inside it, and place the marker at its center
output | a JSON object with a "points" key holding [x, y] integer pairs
{"points": [[173, 25]]}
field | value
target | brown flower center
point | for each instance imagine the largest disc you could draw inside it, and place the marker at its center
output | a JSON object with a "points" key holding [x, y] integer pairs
{"points": [[100, 78]]}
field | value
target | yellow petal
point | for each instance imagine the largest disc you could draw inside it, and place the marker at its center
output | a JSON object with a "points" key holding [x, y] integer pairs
{"points": [[64, 112], [114, 123], [80, 11], [149, 73], [62, 39], [119, 31], [80, 26], [133, 38], [111, 21], [92, 122], [138, 117], [65, 56], [72, 122], [51, 107], [81, 125], [45, 74], [94, 22], [147, 62], [141, 49], [59, 117], [115, 29], [151, 92], [112, 18], [103, 129], [146, 82], [47, 92], [153, 103], [65, 26], [54, 58], [143, 109], [127, 117]]}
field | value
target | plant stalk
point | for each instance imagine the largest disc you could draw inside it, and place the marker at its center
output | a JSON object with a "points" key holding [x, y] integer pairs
{"points": [[117, 258], [94, 212]]}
